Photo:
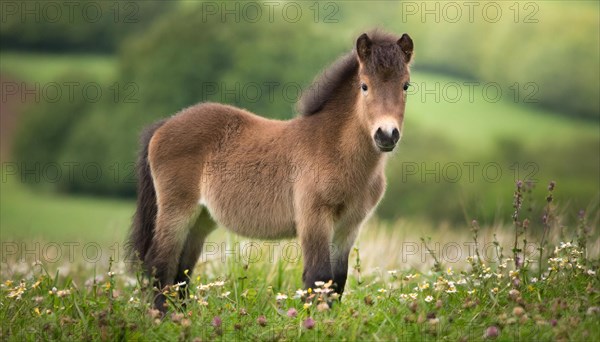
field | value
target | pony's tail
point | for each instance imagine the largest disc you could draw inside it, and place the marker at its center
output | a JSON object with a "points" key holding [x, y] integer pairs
{"points": [[144, 220]]}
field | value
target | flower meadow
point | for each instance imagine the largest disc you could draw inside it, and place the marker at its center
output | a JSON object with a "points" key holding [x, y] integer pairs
{"points": [[551, 292]]}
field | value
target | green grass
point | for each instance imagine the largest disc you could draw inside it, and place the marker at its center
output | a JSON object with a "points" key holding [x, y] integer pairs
{"points": [[257, 301], [45, 68], [26, 214], [233, 294]]}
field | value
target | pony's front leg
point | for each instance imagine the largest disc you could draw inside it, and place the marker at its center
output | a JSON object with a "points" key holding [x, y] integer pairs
{"points": [[315, 231], [343, 241]]}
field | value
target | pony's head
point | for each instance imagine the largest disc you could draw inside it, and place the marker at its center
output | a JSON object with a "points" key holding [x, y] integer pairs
{"points": [[383, 79]]}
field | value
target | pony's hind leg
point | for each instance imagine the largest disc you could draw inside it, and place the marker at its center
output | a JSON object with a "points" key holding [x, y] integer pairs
{"points": [[192, 248], [172, 228]]}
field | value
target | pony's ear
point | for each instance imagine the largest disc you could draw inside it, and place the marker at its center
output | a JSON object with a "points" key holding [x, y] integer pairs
{"points": [[406, 44], [363, 47]]}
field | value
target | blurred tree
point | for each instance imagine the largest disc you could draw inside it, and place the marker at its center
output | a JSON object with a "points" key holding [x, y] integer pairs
{"points": [[189, 57], [536, 59], [75, 26], [186, 58], [44, 129]]}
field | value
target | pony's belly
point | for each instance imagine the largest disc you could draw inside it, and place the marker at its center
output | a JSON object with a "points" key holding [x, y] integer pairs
{"points": [[253, 215], [260, 229]]}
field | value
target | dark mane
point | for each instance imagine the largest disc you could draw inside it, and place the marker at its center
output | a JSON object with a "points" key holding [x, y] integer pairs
{"points": [[385, 57], [325, 86]]}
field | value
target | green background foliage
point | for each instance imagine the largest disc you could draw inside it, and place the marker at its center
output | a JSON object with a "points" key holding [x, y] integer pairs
{"points": [[151, 59], [545, 125]]}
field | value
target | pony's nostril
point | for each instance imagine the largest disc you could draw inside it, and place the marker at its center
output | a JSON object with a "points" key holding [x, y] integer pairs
{"points": [[395, 135], [379, 136]]}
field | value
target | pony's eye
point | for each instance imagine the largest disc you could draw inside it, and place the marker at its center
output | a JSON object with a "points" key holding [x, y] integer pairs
{"points": [[364, 87], [406, 85]]}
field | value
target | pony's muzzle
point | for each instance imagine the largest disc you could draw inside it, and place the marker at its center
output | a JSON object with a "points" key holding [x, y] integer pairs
{"points": [[386, 140]]}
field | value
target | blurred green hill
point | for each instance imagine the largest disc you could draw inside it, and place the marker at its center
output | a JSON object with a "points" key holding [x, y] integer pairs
{"points": [[545, 125]]}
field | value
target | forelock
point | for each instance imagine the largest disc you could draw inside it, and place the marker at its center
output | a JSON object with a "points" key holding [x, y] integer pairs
{"points": [[387, 58]]}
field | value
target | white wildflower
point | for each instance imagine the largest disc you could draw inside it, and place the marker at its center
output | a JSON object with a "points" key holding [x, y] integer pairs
{"points": [[203, 287], [63, 293], [410, 276], [300, 293]]}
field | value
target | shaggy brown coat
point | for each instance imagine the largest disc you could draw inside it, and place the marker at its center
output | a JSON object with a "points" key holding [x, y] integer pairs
{"points": [[317, 176]]}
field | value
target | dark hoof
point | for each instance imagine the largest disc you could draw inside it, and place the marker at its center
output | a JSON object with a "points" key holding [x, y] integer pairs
{"points": [[160, 303]]}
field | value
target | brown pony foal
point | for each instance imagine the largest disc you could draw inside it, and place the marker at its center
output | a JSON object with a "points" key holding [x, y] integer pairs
{"points": [[317, 176]]}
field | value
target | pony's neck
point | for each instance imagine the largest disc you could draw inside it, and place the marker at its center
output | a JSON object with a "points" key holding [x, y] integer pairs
{"points": [[337, 130], [340, 126]]}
